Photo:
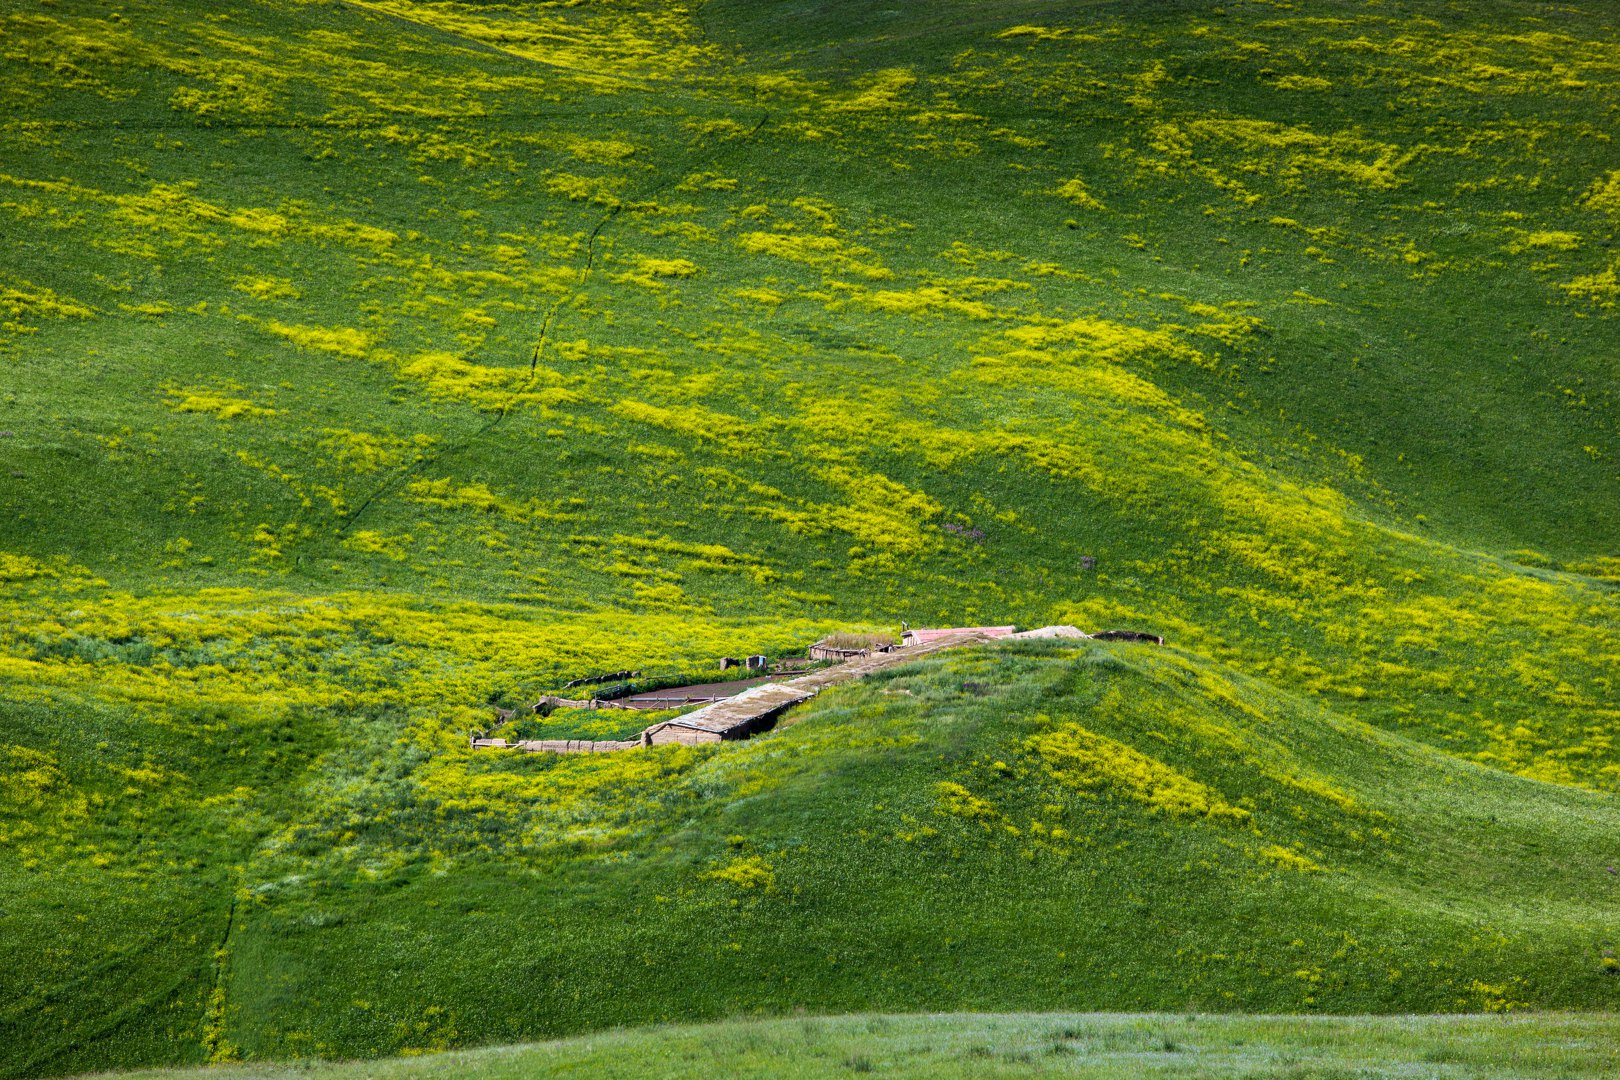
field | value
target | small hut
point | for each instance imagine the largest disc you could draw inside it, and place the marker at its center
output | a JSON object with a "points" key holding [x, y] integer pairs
{"points": [[842, 647], [685, 732]]}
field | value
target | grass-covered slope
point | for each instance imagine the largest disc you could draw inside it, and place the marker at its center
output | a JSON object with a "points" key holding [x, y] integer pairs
{"points": [[1100, 827], [366, 362]]}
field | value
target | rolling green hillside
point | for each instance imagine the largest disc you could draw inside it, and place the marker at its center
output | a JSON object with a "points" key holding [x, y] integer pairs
{"points": [[364, 363]]}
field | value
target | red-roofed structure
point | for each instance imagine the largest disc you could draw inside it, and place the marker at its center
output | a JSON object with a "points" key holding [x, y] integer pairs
{"points": [[922, 637]]}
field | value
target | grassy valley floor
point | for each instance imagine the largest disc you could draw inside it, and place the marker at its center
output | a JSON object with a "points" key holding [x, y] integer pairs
{"points": [[1116, 1047]]}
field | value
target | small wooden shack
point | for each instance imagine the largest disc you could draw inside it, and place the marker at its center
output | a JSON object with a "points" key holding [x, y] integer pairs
{"points": [[819, 651], [684, 732], [842, 647]]}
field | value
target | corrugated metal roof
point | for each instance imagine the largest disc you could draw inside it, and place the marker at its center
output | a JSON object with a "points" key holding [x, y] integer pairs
{"points": [[741, 709], [921, 636]]}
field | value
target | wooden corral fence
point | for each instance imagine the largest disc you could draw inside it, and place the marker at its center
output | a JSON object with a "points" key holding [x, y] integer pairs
{"points": [[612, 676], [818, 651], [551, 701], [842, 647], [555, 746], [670, 701]]}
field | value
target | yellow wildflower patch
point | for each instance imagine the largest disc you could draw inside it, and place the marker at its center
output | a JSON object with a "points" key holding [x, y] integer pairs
{"points": [[822, 252], [15, 567], [1604, 195], [695, 421], [1288, 858], [262, 287], [1086, 760], [602, 48], [367, 542], [28, 777], [1603, 287], [760, 296], [152, 309], [748, 872], [339, 340], [649, 272], [25, 299], [228, 97], [1495, 997], [596, 189], [1302, 82], [954, 799], [364, 452], [214, 403], [881, 91], [476, 497], [1098, 337], [1544, 240], [1034, 33], [1076, 192], [707, 181], [444, 375], [602, 151], [923, 300]]}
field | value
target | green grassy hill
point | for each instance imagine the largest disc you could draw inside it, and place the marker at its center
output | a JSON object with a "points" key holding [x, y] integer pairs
{"points": [[365, 363]]}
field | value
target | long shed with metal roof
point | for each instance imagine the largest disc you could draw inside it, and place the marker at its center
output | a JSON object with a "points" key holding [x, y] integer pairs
{"points": [[736, 717]]}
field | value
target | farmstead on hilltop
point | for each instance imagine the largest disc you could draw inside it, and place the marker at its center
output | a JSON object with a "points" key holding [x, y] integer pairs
{"points": [[756, 709]]}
